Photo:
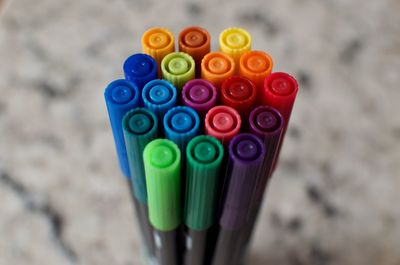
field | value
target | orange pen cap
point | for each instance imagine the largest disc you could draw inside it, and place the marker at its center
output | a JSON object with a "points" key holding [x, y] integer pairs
{"points": [[195, 41], [216, 67], [158, 42], [256, 66]]}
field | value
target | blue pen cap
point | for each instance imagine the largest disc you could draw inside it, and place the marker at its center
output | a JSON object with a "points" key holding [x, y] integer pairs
{"points": [[159, 96], [120, 96], [140, 128], [140, 68], [180, 125]]}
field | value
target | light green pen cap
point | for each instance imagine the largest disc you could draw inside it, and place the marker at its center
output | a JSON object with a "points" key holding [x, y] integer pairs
{"points": [[178, 68], [204, 157], [162, 162]]}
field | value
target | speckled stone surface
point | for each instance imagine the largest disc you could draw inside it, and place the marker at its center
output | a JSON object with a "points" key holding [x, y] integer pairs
{"points": [[335, 196]]}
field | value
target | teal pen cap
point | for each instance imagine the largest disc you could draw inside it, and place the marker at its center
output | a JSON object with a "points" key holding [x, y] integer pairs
{"points": [[139, 127]]}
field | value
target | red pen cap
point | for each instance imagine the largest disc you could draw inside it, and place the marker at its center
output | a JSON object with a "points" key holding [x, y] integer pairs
{"points": [[239, 93], [223, 123], [280, 90]]}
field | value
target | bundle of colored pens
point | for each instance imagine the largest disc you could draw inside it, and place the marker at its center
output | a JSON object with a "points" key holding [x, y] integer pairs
{"points": [[198, 135]]}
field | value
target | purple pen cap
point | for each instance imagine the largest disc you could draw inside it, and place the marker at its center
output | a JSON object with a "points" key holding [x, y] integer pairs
{"points": [[265, 121], [200, 95], [246, 156]]}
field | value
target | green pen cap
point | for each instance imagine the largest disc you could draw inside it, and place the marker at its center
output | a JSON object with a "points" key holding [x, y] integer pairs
{"points": [[139, 127], [162, 162], [178, 68], [204, 157]]}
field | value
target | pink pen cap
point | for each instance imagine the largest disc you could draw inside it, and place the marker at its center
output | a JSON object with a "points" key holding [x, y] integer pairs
{"points": [[223, 123]]}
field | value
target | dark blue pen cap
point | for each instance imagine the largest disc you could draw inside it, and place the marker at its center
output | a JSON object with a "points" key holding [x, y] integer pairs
{"points": [[180, 125], [120, 96], [140, 68], [246, 156], [159, 96]]}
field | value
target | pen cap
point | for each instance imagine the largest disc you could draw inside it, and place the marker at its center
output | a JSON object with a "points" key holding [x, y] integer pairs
{"points": [[204, 157], [267, 123], [120, 96], [234, 42], [280, 91], [195, 41], [140, 68], [162, 160], [239, 93], [216, 67], [178, 68], [159, 96], [246, 153], [181, 124], [256, 65], [139, 127], [223, 123], [158, 42], [200, 95]]}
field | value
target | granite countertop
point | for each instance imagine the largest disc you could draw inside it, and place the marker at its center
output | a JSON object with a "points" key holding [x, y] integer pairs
{"points": [[334, 198]]}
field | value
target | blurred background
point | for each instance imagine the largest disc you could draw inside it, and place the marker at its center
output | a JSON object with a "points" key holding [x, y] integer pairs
{"points": [[334, 198]]}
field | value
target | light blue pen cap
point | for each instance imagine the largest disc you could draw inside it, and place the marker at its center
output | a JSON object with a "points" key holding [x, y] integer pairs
{"points": [[120, 96], [159, 96], [180, 125]]}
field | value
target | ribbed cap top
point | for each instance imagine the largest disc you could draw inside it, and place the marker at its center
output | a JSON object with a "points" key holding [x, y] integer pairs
{"points": [[246, 155], [204, 156], [239, 93], [140, 68], [200, 95], [196, 42], [256, 65], [178, 68], [120, 96], [140, 127], [181, 124], [223, 123], [162, 160], [234, 42], [216, 67], [158, 42], [159, 96]]}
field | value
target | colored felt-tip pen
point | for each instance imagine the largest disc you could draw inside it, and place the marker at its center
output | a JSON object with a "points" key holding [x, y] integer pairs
{"points": [[120, 96], [234, 42], [223, 123], [216, 67], [280, 90], [140, 68], [266, 123], [158, 42], [256, 66], [204, 157], [140, 127], [200, 95], [162, 160], [246, 155], [178, 68], [195, 41], [181, 124], [159, 96], [239, 93]]}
